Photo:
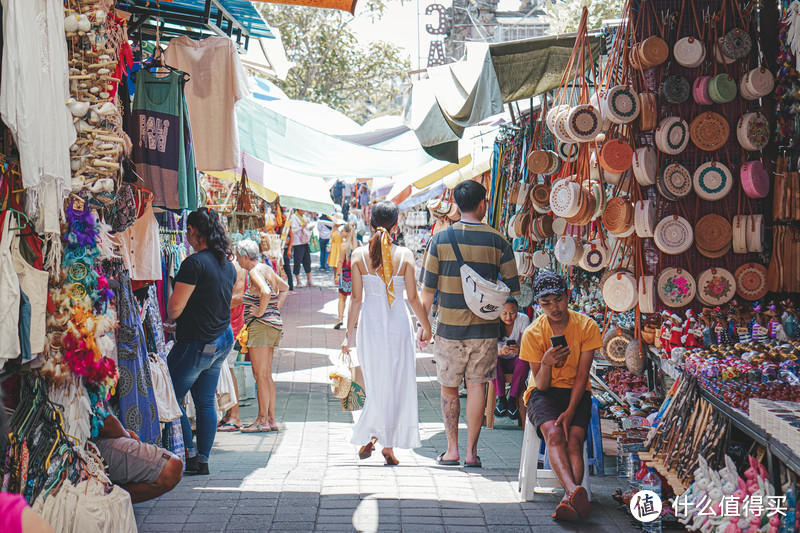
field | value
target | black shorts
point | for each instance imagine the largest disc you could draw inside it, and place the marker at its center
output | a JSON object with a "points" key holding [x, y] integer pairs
{"points": [[548, 405]]}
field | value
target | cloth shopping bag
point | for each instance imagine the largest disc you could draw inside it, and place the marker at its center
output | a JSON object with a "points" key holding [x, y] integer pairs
{"points": [[226, 393], [347, 383], [167, 404]]}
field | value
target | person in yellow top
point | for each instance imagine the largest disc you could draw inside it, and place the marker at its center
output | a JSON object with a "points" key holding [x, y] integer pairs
{"points": [[559, 398], [336, 248]]}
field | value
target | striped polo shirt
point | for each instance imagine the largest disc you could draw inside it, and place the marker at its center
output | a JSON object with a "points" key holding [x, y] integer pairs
{"points": [[483, 249]]}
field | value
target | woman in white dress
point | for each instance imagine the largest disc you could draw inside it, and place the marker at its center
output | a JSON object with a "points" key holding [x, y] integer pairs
{"points": [[381, 272]]}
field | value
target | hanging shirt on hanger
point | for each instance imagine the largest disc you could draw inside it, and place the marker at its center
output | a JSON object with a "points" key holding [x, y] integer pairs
{"points": [[217, 82], [161, 140], [140, 249], [33, 95]]}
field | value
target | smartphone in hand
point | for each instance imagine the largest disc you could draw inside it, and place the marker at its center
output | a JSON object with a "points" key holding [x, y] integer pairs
{"points": [[557, 341]]}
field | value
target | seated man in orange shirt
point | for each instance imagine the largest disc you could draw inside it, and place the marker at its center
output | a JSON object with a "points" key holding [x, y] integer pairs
{"points": [[559, 397]]}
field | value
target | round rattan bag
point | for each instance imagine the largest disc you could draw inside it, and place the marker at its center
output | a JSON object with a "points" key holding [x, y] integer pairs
{"points": [[615, 342], [634, 359]]}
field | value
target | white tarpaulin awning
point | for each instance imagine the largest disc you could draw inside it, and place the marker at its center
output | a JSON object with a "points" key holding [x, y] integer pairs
{"points": [[313, 140]]}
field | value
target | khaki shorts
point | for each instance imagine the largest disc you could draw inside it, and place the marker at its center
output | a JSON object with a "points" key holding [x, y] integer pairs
{"points": [[131, 461], [475, 359], [259, 335]]}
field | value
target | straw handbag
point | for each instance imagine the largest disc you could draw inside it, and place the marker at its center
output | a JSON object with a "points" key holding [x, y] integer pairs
{"points": [[345, 384]]}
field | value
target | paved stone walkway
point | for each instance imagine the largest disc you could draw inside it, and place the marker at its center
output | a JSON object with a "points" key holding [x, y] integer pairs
{"points": [[307, 476]]}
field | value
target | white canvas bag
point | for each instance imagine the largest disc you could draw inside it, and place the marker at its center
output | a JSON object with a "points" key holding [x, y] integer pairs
{"points": [[484, 298]]}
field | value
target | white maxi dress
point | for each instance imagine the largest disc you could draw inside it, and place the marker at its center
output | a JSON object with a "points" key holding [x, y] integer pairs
{"points": [[385, 348]]}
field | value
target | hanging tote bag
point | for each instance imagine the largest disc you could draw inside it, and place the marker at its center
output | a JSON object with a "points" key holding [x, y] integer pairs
{"points": [[168, 408], [226, 393], [484, 298]]}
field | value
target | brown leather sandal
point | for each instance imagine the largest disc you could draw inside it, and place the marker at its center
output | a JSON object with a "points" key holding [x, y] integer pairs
{"points": [[365, 452], [391, 460], [565, 512], [579, 500]]}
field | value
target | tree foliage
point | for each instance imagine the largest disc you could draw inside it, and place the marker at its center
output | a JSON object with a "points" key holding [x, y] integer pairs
{"points": [[332, 66], [564, 15]]}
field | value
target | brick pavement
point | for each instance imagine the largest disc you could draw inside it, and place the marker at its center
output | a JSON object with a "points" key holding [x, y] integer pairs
{"points": [[307, 476]]}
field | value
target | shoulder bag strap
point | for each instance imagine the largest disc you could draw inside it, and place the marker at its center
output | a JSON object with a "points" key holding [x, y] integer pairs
{"points": [[451, 234]]}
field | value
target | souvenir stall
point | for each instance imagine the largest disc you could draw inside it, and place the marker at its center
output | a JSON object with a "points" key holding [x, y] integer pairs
{"points": [[96, 177], [649, 173]]}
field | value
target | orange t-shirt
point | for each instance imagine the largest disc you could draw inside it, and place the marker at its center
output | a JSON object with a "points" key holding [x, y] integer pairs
{"points": [[582, 335]]}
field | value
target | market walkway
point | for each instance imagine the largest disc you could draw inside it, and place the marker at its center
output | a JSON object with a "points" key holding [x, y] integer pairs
{"points": [[307, 477]]}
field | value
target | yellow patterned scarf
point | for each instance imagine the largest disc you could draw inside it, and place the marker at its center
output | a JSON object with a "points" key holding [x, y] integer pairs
{"points": [[386, 259]]}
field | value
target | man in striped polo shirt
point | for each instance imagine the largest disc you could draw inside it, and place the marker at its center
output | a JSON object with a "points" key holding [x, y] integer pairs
{"points": [[465, 345]]}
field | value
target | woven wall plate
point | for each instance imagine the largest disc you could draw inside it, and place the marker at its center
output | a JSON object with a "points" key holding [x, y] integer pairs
{"points": [[722, 89], [645, 218], [616, 156], [755, 233], [511, 229], [622, 104], [736, 44], [716, 286], [565, 198], [552, 115], [599, 199], [616, 348], [559, 226], [653, 51], [676, 181], [620, 292], [712, 181], [700, 90], [673, 235], [568, 152], [672, 135], [753, 131], [675, 89], [541, 259], [568, 250], [719, 57], [540, 195], [647, 295], [561, 132], [757, 83], [712, 233], [645, 165], [751, 281], [648, 118], [538, 161], [709, 131], [755, 179], [676, 287], [689, 52], [595, 257], [616, 215], [739, 234], [584, 122]]}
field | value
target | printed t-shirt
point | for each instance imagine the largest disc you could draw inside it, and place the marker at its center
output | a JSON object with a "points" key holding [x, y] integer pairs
{"points": [[217, 82], [486, 251], [208, 312], [582, 335], [162, 148]]}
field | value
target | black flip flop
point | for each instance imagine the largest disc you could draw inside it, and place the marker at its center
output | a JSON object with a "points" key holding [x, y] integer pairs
{"points": [[474, 464], [446, 462]]}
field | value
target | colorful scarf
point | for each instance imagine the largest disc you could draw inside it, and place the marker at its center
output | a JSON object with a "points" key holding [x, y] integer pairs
{"points": [[386, 259]]}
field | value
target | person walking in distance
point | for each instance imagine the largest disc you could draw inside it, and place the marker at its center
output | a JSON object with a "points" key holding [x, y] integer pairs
{"points": [[381, 272], [324, 227], [343, 274], [560, 347], [301, 234], [465, 344]]}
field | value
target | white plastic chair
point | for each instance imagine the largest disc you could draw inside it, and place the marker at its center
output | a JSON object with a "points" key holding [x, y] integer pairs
{"points": [[532, 478]]}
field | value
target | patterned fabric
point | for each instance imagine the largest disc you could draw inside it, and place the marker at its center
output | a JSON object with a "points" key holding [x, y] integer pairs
{"points": [[137, 404], [386, 259]]}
